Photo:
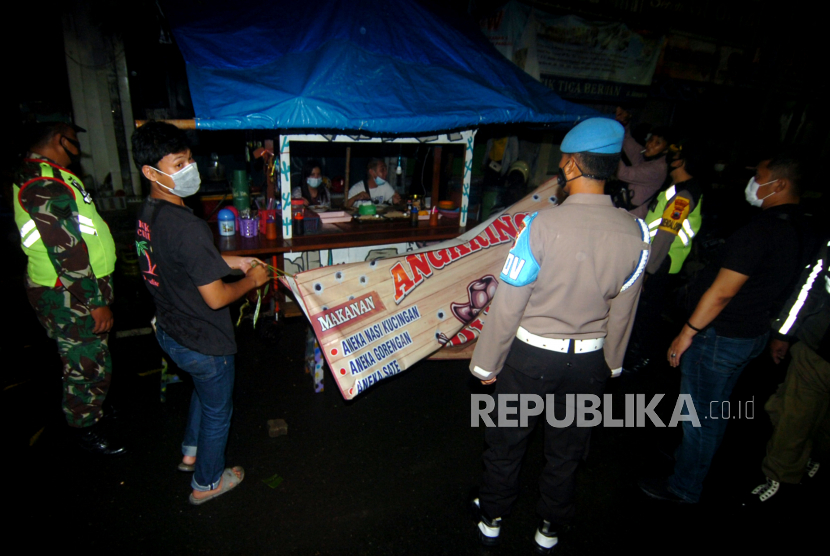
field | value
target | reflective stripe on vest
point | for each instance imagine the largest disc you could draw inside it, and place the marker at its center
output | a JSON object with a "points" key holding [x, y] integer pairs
{"points": [[86, 225], [32, 237], [688, 227]]}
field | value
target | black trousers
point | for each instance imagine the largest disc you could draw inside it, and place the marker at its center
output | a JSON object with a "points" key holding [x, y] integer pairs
{"points": [[531, 370], [647, 334]]}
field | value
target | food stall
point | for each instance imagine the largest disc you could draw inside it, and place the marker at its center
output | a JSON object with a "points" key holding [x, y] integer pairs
{"points": [[382, 71]]}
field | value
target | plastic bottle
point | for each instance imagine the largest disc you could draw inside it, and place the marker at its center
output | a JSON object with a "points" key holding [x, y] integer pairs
{"points": [[298, 214], [227, 223], [413, 214], [271, 227]]}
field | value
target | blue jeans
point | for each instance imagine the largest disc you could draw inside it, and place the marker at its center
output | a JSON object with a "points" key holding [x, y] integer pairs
{"points": [[211, 406], [708, 372]]}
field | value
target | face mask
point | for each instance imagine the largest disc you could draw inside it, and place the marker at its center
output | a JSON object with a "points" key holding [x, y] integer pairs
{"points": [[560, 177], [720, 167], [751, 192], [185, 182], [379, 181], [314, 183], [73, 158], [562, 180]]}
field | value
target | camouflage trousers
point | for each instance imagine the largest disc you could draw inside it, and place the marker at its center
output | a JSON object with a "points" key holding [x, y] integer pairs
{"points": [[87, 366]]}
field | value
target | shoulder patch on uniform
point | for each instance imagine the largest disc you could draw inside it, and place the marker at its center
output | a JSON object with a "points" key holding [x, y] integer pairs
{"points": [[521, 267], [673, 216]]}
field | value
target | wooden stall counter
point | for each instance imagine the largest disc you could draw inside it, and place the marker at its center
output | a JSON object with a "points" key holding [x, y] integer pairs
{"points": [[341, 235]]}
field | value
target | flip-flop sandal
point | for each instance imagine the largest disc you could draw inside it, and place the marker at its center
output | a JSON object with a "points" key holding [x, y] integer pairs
{"points": [[228, 482], [186, 467]]}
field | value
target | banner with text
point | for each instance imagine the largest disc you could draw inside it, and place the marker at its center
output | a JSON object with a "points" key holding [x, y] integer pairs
{"points": [[551, 48], [377, 318]]}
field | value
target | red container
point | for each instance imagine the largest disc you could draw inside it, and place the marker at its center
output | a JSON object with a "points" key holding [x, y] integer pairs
{"points": [[263, 219]]}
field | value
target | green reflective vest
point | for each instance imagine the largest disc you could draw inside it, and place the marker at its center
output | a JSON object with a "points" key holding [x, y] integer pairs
{"points": [[682, 244], [94, 231]]}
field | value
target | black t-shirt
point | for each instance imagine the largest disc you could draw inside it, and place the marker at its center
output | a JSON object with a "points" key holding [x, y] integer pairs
{"points": [[770, 251], [177, 255]]}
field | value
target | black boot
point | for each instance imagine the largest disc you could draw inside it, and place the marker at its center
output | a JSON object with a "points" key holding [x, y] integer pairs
{"points": [[95, 440]]}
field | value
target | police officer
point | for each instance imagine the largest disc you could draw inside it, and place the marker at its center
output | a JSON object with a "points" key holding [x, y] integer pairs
{"points": [[71, 257], [559, 324], [673, 221]]}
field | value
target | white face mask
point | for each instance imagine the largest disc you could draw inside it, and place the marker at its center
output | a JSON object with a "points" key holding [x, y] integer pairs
{"points": [[314, 183], [751, 192], [186, 181]]}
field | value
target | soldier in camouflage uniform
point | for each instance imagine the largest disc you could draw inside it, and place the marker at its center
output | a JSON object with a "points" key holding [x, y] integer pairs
{"points": [[69, 275]]}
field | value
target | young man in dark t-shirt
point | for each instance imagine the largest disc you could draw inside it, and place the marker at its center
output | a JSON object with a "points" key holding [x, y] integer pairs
{"points": [[183, 271], [730, 322]]}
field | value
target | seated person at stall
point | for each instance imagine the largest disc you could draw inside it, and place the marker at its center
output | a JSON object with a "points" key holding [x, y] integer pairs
{"points": [[312, 190], [374, 188]]}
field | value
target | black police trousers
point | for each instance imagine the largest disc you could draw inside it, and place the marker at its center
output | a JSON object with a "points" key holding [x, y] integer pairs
{"points": [[532, 370]]}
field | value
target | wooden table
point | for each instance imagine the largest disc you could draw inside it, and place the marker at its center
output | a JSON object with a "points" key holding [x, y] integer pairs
{"points": [[339, 236]]}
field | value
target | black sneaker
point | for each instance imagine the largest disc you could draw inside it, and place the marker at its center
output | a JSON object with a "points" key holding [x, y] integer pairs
{"points": [[488, 529], [94, 440], [546, 538]]}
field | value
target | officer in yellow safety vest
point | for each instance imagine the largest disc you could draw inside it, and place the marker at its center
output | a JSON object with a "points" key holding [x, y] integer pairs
{"points": [[71, 258], [673, 221], [677, 213]]}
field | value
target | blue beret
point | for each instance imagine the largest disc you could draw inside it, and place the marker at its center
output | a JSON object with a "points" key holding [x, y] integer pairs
{"points": [[594, 135]]}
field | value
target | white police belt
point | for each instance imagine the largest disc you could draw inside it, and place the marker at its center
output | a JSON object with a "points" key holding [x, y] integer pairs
{"points": [[559, 345]]}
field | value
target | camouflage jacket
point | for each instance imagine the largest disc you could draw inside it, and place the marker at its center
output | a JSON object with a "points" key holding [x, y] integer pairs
{"points": [[55, 214]]}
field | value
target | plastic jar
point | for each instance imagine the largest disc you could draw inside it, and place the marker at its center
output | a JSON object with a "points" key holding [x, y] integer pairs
{"points": [[227, 223]]}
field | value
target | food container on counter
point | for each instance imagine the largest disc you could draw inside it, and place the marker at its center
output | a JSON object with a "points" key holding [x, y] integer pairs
{"points": [[248, 227], [227, 223]]}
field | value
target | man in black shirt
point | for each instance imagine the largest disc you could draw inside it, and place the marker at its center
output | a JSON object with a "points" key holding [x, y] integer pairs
{"points": [[730, 323], [183, 272]]}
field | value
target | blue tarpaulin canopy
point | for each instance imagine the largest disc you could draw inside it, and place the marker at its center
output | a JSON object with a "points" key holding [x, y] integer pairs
{"points": [[379, 66]]}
